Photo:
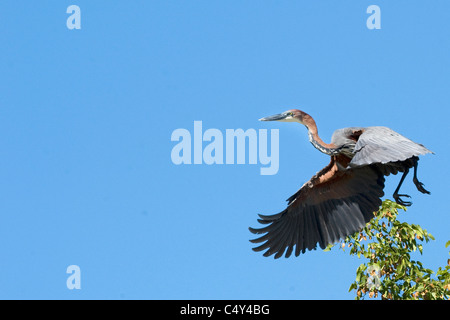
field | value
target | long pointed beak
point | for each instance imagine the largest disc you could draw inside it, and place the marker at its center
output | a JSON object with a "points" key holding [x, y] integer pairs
{"points": [[276, 117]]}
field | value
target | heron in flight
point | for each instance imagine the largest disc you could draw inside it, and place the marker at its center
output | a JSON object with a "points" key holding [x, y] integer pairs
{"points": [[342, 197]]}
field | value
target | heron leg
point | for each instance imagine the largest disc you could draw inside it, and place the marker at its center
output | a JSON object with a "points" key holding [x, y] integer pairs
{"points": [[397, 196], [419, 185]]}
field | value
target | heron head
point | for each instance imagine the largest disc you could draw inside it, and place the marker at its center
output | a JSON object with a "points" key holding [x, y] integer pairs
{"points": [[292, 115]]}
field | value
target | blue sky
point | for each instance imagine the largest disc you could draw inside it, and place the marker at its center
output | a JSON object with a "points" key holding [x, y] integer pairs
{"points": [[86, 118]]}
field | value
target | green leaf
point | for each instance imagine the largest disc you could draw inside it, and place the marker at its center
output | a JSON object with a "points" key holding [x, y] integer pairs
{"points": [[388, 247]]}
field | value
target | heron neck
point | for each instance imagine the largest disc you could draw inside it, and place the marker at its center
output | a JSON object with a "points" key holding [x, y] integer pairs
{"points": [[317, 142]]}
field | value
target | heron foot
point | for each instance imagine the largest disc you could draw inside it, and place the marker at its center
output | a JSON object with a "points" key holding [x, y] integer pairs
{"points": [[420, 186], [400, 201]]}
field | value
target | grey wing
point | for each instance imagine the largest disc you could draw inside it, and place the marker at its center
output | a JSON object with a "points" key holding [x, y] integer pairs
{"points": [[383, 145], [346, 136]]}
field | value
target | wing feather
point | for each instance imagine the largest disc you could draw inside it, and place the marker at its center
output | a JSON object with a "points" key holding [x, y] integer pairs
{"points": [[322, 211], [383, 145]]}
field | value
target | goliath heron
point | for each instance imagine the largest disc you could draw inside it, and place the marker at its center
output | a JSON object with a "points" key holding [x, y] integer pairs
{"points": [[342, 197]]}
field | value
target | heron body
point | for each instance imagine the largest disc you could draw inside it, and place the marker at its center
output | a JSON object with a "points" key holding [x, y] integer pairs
{"points": [[342, 197]]}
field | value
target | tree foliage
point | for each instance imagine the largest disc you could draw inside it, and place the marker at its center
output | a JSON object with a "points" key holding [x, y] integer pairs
{"points": [[390, 272]]}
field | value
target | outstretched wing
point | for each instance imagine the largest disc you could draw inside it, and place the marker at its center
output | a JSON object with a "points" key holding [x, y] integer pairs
{"points": [[332, 205], [383, 145]]}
